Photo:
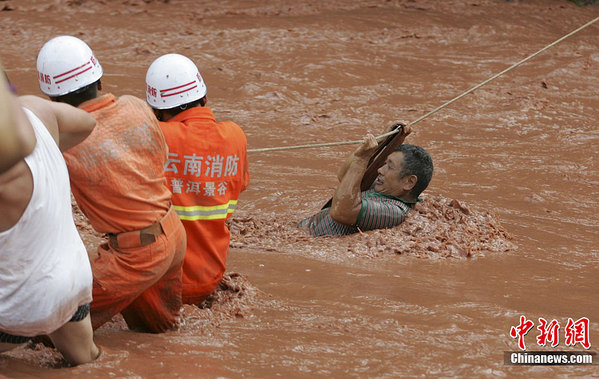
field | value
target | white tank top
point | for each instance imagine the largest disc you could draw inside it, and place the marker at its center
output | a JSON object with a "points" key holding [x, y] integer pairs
{"points": [[45, 273]]}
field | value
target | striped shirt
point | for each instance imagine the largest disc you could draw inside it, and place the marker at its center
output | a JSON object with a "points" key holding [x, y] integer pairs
{"points": [[378, 211]]}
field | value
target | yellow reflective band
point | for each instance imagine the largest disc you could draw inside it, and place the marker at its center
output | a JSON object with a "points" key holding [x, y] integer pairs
{"points": [[198, 212]]}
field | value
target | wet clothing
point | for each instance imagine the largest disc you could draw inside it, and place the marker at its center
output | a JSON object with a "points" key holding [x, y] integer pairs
{"points": [[378, 211], [45, 273], [141, 281], [118, 181], [207, 169], [79, 315], [116, 172]]}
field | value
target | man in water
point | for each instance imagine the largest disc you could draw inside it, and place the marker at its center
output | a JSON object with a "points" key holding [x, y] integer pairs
{"points": [[405, 174], [117, 178]]}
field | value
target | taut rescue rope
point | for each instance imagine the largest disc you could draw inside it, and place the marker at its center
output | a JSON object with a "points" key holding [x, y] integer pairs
{"points": [[293, 147]]}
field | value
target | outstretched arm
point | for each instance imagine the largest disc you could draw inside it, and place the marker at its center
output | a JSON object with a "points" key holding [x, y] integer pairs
{"points": [[348, 161], [347, 200], [387, 145], [343, 168], [67, 124]]}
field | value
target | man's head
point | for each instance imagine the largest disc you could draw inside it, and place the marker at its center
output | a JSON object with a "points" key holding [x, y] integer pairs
{"points": [[68, 71], [174, 84], [406, 173]]}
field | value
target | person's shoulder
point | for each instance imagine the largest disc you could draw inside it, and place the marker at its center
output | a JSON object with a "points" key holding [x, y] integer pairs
{"points": [[132, 99], [231, 127], [230, 124], [34, 103], [139, 104], [23, 99], [135, 102], [41, 108], [170, 127], [237, 134]]}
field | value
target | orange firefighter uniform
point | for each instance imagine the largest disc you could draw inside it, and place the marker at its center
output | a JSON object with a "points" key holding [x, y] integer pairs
{"points": [[118, 181], [206, 171]]}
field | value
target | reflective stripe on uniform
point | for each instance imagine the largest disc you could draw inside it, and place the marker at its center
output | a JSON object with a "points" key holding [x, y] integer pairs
{"points": [[198, 212]]}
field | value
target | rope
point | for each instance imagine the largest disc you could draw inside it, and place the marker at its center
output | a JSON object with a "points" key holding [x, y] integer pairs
{"points": [[293, 147]]}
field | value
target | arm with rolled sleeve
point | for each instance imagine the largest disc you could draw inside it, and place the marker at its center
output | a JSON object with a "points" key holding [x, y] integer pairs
{"points": [[347, 200]]}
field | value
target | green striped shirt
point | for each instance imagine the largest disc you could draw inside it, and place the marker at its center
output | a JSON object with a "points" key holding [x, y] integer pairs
{"points": [[378, 211]]}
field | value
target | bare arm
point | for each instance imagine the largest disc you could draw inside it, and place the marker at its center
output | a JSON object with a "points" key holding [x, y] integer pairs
{"points": [[74, 124], [406, 129], [343, 168], [67, 124], [17, 138], [347, 200]]}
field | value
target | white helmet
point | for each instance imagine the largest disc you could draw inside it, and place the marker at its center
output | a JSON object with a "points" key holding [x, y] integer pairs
{"points": [[66, 64], [173, 80]]}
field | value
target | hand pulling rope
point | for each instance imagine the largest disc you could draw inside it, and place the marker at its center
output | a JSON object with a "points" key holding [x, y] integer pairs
{"points": [[293, 147]]}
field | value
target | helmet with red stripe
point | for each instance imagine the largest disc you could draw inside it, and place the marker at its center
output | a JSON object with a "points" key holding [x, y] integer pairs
{"points": [[66, 64], [173, 80]]}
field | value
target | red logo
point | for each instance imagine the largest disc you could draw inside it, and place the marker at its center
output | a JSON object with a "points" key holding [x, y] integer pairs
{"points": [[574, 332], [521, 330], [578, 332], [549, 332], [43, 78], [151, 91]]}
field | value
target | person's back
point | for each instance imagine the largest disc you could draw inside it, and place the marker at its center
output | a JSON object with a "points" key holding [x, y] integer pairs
{"points": [[118, 181], [55, 248], [45, 277], [207, 169], [116, 173], [205, 196]]}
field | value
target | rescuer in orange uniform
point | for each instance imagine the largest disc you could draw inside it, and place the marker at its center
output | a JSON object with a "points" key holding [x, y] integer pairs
{"points": [[117, 178], [207, 169]]}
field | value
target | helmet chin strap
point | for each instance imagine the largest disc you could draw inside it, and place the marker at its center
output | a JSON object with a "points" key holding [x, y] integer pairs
{"points": [[158, 114]]}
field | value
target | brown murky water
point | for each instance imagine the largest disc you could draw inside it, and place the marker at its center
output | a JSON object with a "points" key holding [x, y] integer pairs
{"points": [[515, 187]]}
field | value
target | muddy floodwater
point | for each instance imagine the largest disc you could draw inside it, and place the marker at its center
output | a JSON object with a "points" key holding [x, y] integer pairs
{"points": [[508, 226]]}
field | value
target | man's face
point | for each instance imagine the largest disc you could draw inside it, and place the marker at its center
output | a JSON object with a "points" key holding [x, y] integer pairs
{"points": [[389, 182]]}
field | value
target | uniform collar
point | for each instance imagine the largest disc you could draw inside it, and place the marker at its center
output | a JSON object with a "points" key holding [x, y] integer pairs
{"points": [[204, 113], [98, 103]]}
